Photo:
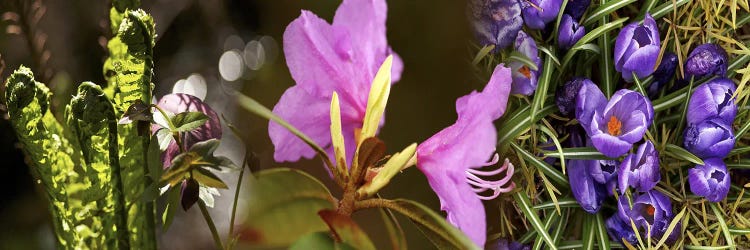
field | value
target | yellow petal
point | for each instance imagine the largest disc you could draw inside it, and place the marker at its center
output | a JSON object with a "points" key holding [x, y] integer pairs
{"points": [[395, 164], [376, 101], [337, 137]]}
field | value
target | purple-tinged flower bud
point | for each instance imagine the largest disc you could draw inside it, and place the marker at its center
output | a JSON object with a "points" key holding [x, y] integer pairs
{"points": [[713, 99], [524, 78], [565, 96], [650, 209], [705, 60], [537, 13], [189, 193], [711, 138], [640, 170], [619, 230], [710, 180], [569, 32], [495, 21], [576, 8], [637, 49], [588, 192], [663, 74]]}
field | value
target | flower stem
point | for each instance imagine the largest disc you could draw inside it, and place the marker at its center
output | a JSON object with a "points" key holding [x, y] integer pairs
{"points": [[236, 198], [210, 222]]}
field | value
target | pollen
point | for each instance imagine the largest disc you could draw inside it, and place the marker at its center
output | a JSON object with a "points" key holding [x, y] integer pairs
{"points": [[525, 71], [614, 126], [650, 210]]}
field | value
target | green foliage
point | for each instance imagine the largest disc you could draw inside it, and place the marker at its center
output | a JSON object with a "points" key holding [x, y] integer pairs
{"points": [[128, 72], [94, 182], [285, 197]]}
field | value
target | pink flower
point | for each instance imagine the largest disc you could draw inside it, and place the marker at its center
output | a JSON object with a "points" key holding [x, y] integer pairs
{"points": [[449, 157], [322, 58]]}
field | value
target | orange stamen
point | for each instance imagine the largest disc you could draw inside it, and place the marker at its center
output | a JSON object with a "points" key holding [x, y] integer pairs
{"points": [[614, 126], [525, 71], [650, 210]]}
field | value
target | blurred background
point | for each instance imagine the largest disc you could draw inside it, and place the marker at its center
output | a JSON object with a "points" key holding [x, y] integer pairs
{"points": [[228, 46]]}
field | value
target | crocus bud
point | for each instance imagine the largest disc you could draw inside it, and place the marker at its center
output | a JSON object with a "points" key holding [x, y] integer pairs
{"points": [[705, 60], [588, 192], [651, 209], [576, 8], [565, 96], [640, 170], [637, 49], [537, 13], [495, 21], [663, 74], [569, 32], [710, 180], [524, 78], [712, 99], [619, 230], [711, 138]]}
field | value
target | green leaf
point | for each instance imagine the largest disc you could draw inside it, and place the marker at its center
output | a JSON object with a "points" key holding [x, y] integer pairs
{"points": [[664, 9], [253, 106], [601, 232], [672, 226], [585, 153], [605, 10], [395, 232], [346, 230], [155, 168], [523, 202], [518, 57], [284, 206], [442, 234], [512, 128], [588, 234], [187, 121], [208, 179], [541, 90], [482, 53], [554, 174], [723, 225], [163, 138], [680, 153], [589, 37], [173, 205], [318, 240]]}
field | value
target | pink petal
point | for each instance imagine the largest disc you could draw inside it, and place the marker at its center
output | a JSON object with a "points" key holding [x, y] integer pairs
{"points": [[307, 113]]}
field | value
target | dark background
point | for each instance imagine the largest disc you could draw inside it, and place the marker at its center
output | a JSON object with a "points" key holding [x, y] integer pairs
{"points": [[65, 45]]}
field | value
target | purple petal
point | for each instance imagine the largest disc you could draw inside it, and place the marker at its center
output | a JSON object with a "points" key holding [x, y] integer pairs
{"points": [[314, 122], [610, 146], [624, 39], [590, 100], [642, 62], [712, 99], [710, 180], [588, 193]]}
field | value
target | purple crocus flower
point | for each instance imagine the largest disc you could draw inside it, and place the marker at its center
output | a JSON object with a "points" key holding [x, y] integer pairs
{"points": [[449, 158], [663, 74], [569, 32], [615, 125], [587, 178], [576, 8], [637, 49], [705, 60], [713, 99], [640, 170], [651, 208], [565, 96], [323, 58], [619, 230], [537, 13], [495, 21], [525, 79], [588, 193], [710, 180], [711, 138], [178, 103]]}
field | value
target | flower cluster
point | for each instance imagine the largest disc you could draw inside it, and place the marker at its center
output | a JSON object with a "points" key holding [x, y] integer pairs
{"points": [[710, 114]]}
